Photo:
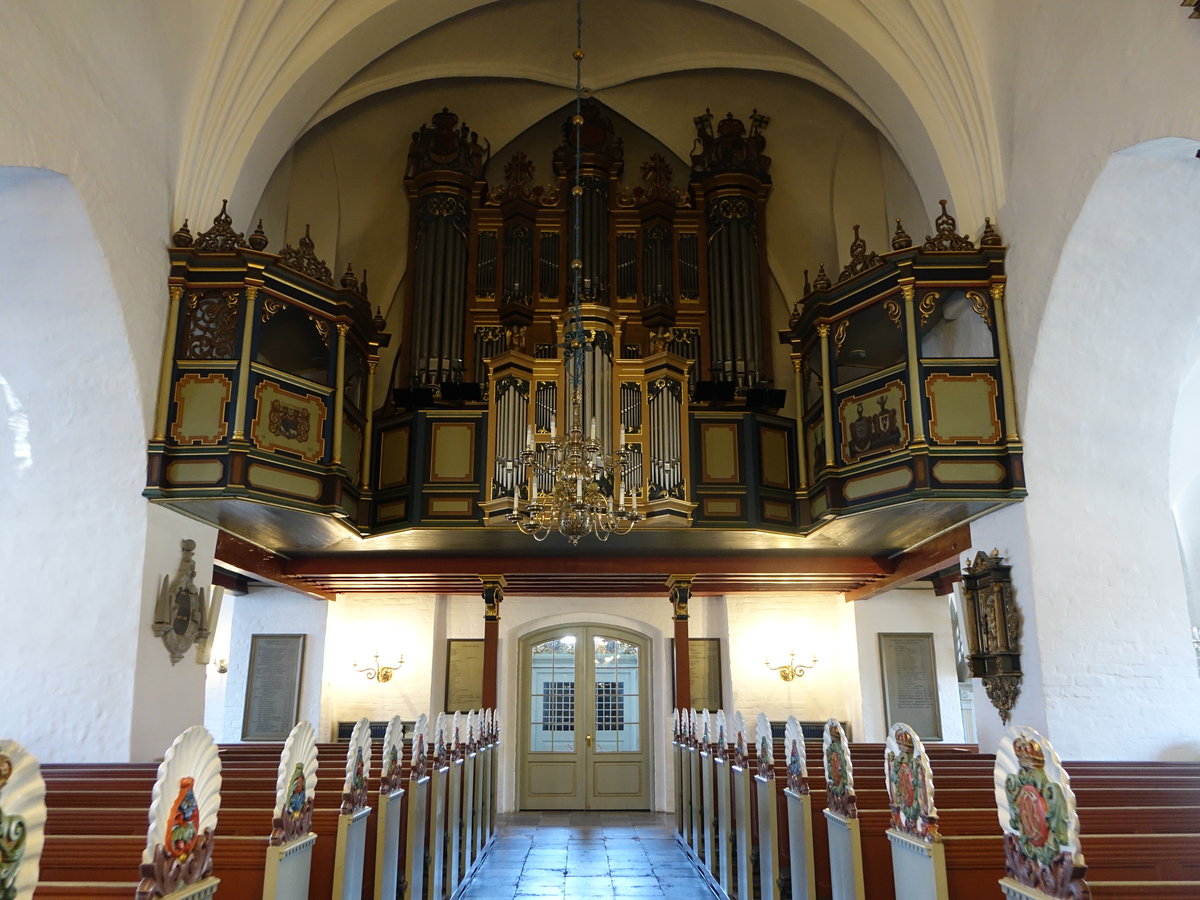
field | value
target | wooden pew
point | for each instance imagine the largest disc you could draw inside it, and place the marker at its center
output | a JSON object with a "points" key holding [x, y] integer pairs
{"points": [[187, 784]]}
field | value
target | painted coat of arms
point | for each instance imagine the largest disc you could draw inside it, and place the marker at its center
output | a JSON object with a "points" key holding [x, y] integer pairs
{"points": [[1037, 812]]}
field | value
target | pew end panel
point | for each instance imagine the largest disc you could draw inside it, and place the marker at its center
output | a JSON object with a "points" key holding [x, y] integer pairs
{"points": [[918, 868], [800, 838], [288, 868], [845, 857]]}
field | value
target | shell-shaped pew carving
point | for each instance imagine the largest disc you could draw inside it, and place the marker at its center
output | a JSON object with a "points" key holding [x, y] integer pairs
{"points": [[295, 785], [420, 747], [705, 729], [910, 784], [766, 750], [741, 755], [441, 753], [391, 756], [422, 725], [183, 816], [358, 768], [22, 820], [1037, 814], [722, 748], [839, 770], [796, 755], [456, 735]]}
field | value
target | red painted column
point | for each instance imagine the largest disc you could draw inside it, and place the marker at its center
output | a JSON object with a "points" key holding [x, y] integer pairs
{"points": [[681, 593], [493, 593]]}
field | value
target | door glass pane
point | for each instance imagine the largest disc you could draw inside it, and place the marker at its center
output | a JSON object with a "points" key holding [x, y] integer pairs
{"points": [[552, 697], [618, 698]]}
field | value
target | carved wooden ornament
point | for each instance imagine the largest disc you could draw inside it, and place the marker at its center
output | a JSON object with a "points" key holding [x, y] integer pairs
{"points": [[839, 771], [797, 757], [295, 785], [181, 615], [183, 816], [910, 784], [1037, 814], [358, 768], [22, 820], [993, 630]]}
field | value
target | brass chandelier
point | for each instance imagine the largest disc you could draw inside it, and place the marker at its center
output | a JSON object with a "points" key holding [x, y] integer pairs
{"points": [[583, 488]]}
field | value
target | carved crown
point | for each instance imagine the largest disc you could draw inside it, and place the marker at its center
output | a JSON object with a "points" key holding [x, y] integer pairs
{"points": [[1029, 753], [904, 739], [447, 147], [730, 148]]}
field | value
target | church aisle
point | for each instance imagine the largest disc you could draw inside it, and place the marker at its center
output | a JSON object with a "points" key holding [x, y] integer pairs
{"points": [[586, 856]]}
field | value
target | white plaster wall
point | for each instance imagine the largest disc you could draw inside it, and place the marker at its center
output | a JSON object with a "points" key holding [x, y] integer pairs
{"points": [[919, 611], [167, 699], [274, 611], [770, 626], [1185, 477], [1125, 310], [392, 626], [216, 685], [72, 523], [99, 96]]}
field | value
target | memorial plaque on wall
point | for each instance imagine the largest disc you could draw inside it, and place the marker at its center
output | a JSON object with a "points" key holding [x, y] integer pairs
{"points": [[273, 686], [464, 674], [910, 683]]}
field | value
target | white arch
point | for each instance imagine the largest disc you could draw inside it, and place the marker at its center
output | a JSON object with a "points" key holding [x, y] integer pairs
{"points": [[1185, 476], [1113, 348], [917, 68], [71, 472]]}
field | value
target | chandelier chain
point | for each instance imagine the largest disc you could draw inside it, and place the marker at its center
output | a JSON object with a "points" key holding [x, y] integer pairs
{"points": [[585, 486]]}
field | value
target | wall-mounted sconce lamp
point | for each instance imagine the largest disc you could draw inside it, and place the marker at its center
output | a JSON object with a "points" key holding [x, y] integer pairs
{"points": [[792, 670], [221, 665], [380, 673]]}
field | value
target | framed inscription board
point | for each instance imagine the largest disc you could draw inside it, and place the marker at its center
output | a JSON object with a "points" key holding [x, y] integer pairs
{"points": [[273, 686], [910, 683], [704, 666], [464, 674]]}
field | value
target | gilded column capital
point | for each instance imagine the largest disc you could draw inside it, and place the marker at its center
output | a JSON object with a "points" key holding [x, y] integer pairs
{"points": [[343, 328], [176, 292], [909, 292], [493, 595], [681, 592], [823, 330], [251, 292], [998, 291]]}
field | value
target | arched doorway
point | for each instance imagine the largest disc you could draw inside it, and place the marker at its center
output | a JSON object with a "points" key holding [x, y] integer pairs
{"points": [[584, 694]]}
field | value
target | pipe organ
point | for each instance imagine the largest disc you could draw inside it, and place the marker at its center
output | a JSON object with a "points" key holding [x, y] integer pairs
{"points": [[900, 375]]}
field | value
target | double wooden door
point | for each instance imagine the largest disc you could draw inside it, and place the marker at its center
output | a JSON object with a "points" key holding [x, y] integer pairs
{"points": [[584, 711]]}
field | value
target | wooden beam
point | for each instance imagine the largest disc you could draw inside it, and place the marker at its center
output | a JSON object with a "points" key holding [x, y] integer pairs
{"points": [[932, 556], [232, 582], [244, 558], [353, 564]]}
